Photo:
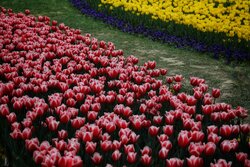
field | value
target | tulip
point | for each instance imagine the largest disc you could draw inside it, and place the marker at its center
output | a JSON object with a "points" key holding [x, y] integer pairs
{"points": [[221, 162], [90, 147], [87, 136], [163, 153], [241, 156], [197, 136], [212, 129], [129, 148], [183, 139], [215, 93], [194, 161], [153, 130], [168, 129], [245, 128], [116, 155], [32, 144], [110, 127], [146, 160], [38, 157], [77, 122], [26, 133], [210, 148], [146, 150], [174, 162], [11, 117], [225, 130], [212, 137], [229, 145], [131, 157], [105, 145], [61, 145]]}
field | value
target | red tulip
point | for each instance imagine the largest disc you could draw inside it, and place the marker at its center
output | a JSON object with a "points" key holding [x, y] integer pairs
{"points": [[116, 145], [17, 105], [146, 150], [163, 153], [153, 130], [178, 78], [61, 145], [183, 139], [116, 155], [197, 136], [162, 137], [131, 157], [241, 156], [222, 163], [84, 108], [163, 71], [95, 130], [245, 128], [90, 147], [11, 117], [77, 122], [169, 80], [225, 130], [212, 137], [27, 11], [210, 148], [207, 109], [174, 162], [65, 117], [157, 119], [177, 86], [38, 156], [62, 134], [168, 129], [31, 144], [215, 93], [215, 117], [194, 161], [198, 94], [53, 125], [199, 117], [169, 119], [146, 160], [92, 115], [196, 149], [212, 129], [229, 145], [143, 108], [110, 127], [167, 144], [87, 136], [133, 137], [191, 100], [26, 134], [127, 112], [129, 148], [105, 145]]}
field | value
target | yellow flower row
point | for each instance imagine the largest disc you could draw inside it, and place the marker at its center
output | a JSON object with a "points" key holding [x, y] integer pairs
{"points": [[227, 16]]}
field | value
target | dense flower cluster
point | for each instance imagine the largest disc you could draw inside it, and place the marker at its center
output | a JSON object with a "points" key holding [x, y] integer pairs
{"points": [[171, 33], [72, 100], [230, 17]]}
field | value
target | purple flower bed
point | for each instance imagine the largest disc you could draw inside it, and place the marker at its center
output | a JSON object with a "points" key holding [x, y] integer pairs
{"points": [[217, 49]]}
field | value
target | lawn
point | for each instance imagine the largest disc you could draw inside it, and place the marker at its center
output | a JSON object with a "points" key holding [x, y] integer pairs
{"points": [[233, 79]]}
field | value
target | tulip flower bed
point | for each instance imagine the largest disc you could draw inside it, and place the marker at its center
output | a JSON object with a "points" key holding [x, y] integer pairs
{"points": [[70, 100], [204, 26]]}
